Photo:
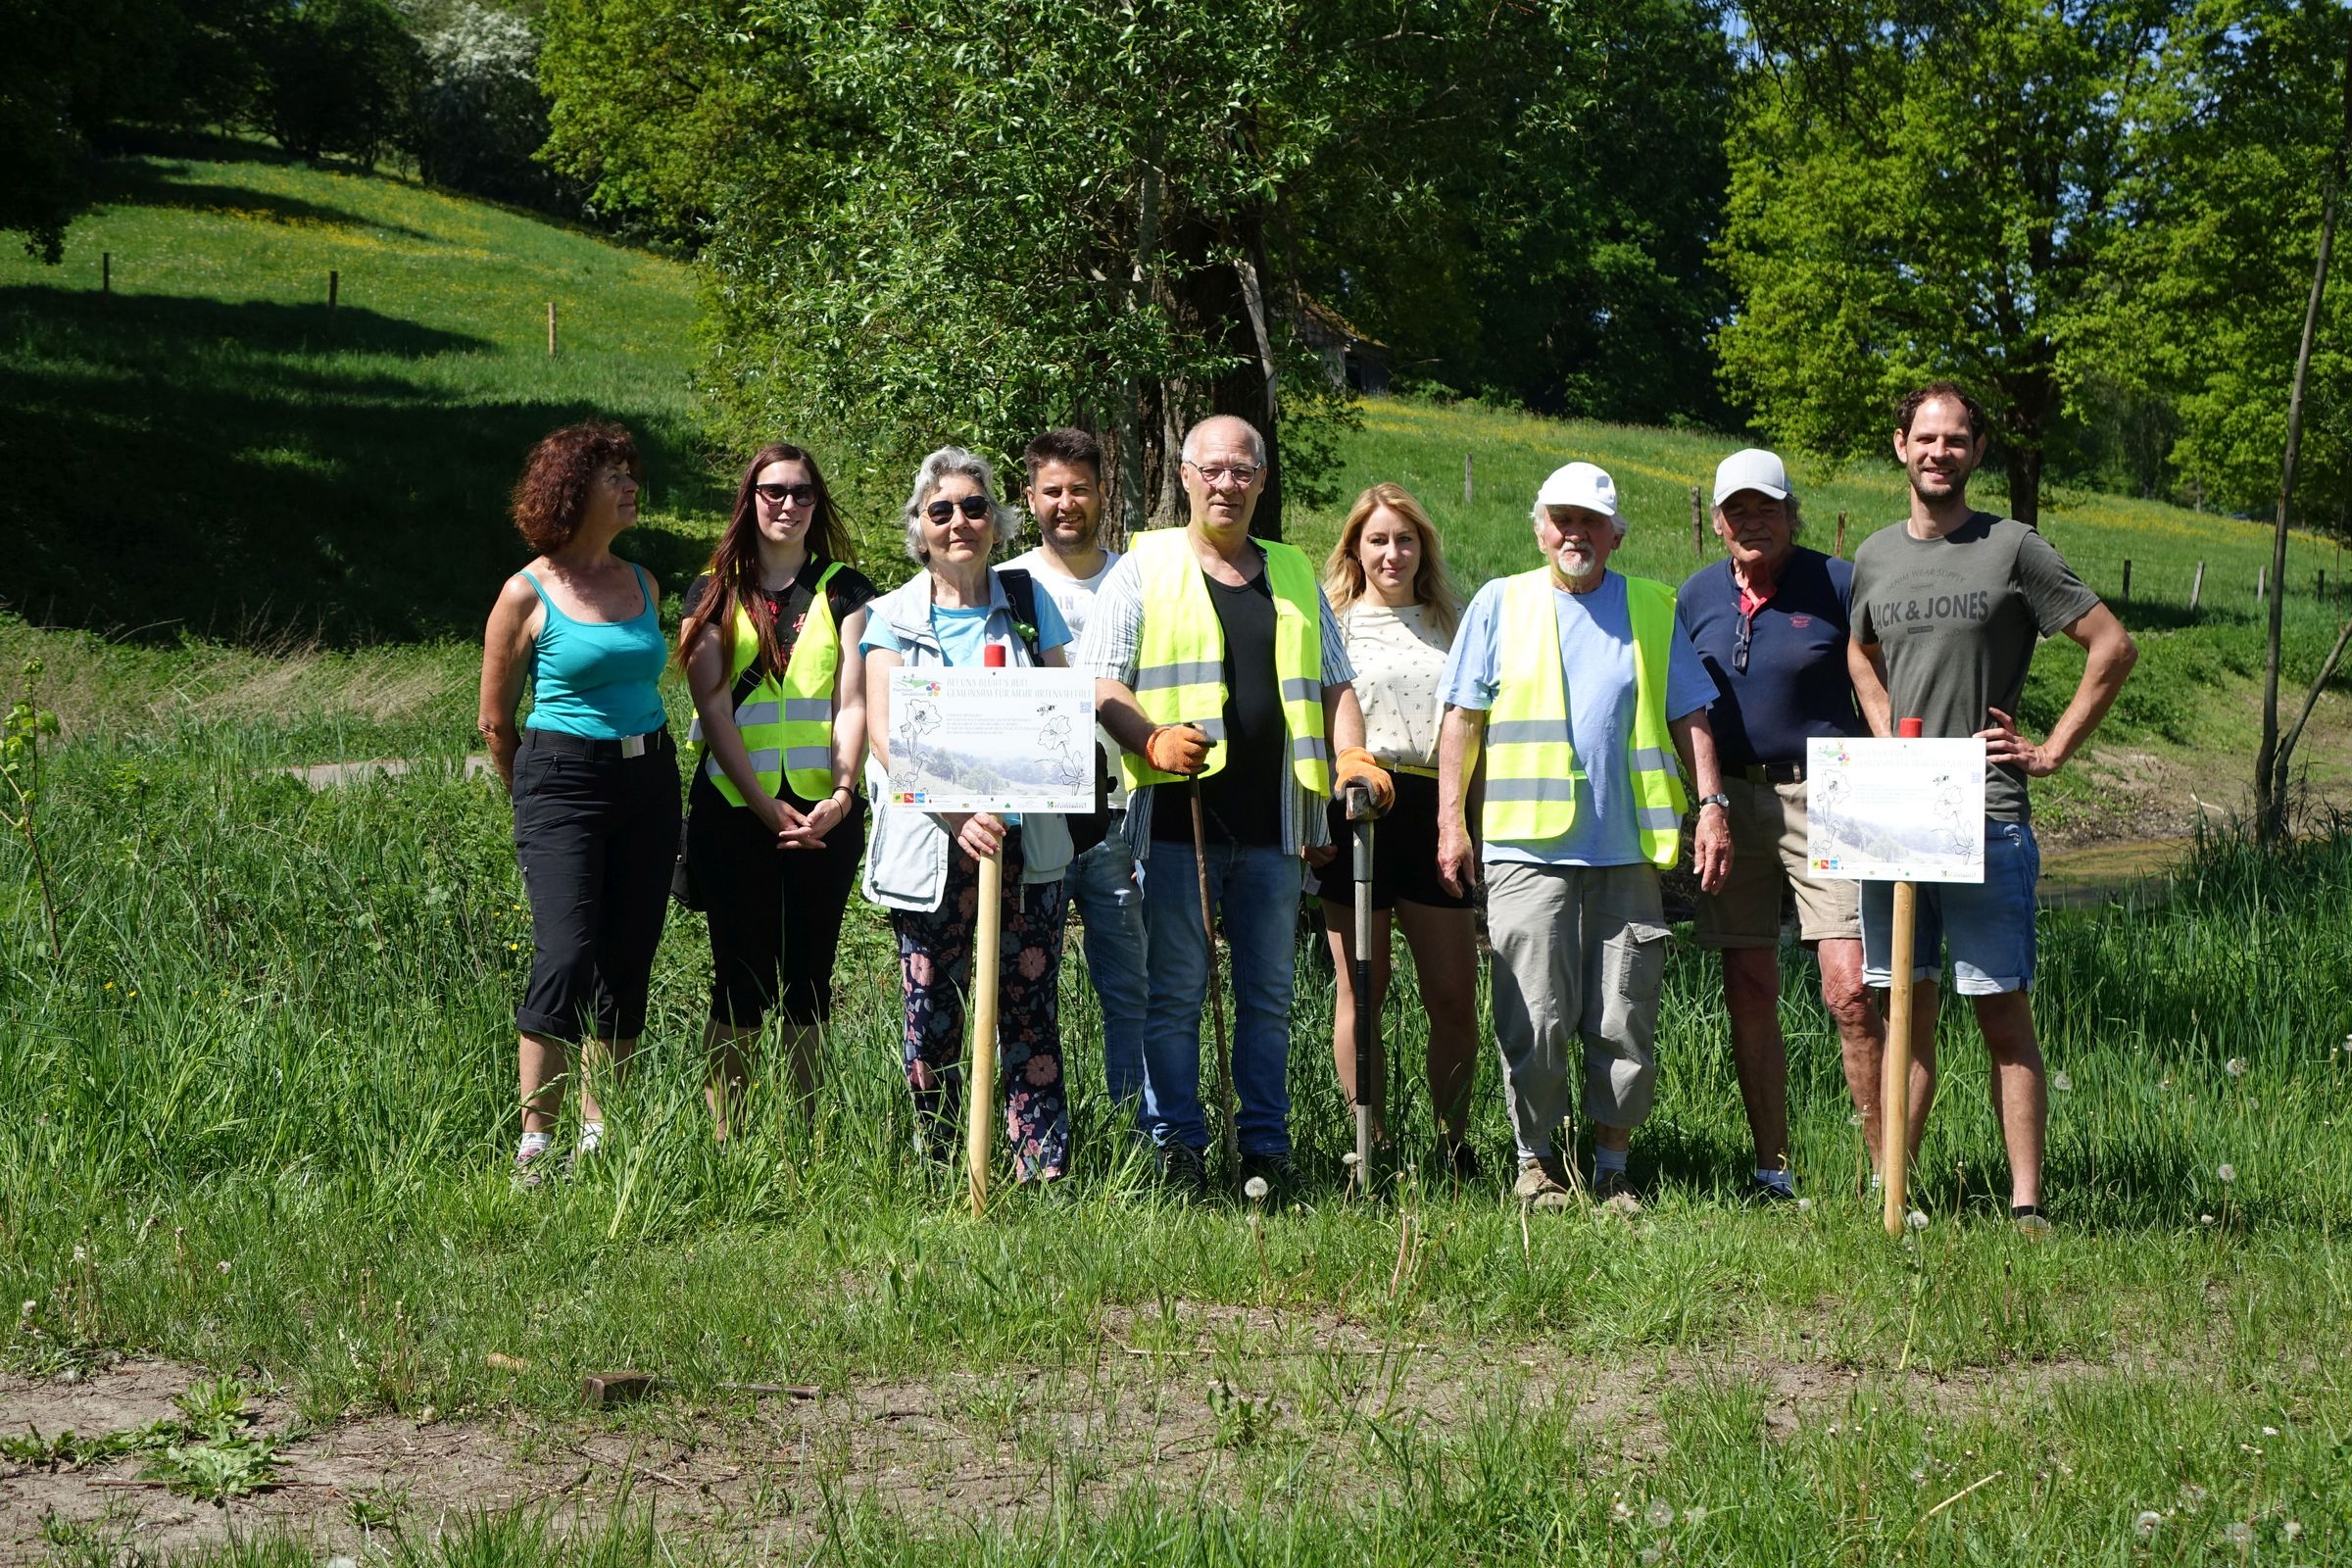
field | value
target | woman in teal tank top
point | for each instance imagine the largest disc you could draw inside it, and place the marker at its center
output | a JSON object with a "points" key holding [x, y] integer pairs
{"points": [[592, 772]]}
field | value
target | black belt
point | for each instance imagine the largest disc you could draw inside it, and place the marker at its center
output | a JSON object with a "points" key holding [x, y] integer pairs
{"points": [[1774, 772], [656, 741]]}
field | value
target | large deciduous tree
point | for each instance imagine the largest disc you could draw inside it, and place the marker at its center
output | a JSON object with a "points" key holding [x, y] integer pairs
{"points": [[1920, 191]]}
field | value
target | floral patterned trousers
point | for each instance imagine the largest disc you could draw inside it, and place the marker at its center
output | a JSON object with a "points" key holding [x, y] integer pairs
{"points": [[935, 959]]}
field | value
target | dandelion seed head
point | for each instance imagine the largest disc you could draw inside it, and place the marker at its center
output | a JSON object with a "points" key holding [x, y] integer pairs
{"points": [[2270, 1431], [27, 1309], [2235, 1066], [2204, 1219], [1350, 1159], [2293, 1529], [2239, 1533], [2147, 1522], [1853, 1118], [2192, 1494], [2227, 1173], [1804, 1206], [1651, 1554], [2061, 1082], [1660, 1513], [1695, 1514], [82, 1254], [1917, 1219], [220, 1267], [1256, 1188]]}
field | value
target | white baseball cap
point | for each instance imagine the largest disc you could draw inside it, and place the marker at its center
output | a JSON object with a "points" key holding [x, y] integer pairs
{"points": [[1580, 484], [1752, 469]]}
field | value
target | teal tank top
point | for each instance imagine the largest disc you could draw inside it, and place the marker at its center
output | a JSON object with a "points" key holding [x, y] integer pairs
{"points": [[597, 678]]}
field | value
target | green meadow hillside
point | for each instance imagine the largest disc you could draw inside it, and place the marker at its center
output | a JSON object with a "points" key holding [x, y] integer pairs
{"points": [[223, 477]]}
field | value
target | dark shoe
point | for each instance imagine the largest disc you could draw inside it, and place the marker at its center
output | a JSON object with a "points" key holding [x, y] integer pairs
{"points": [[1183, 1168], [1764, 1195], [1461, 1161], [1615, 1193], [1279, 1173]]}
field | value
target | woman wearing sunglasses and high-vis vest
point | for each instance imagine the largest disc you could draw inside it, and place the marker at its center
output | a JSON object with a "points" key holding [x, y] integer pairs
{"points": [[774, 824]]}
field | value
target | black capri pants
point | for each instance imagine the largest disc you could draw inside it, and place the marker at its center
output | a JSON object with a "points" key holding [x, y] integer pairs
{"points": [[597, 836], [1404, 852], [775, 915]]}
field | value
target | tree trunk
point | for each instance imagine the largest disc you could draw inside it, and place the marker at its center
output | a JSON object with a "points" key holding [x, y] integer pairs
{"points": [[1208, 299], [2025, 485], [2270, 763]]}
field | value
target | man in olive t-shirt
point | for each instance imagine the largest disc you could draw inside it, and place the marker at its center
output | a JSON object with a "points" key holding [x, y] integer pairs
{"points": [[1947, 613]]}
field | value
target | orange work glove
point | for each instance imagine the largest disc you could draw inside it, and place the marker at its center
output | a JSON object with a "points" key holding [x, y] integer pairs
{"points": [[1356, 764], [1176, 749]]}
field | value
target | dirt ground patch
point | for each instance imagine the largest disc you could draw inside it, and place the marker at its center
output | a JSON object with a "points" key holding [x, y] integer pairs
{"points": [[1204, 1390]]}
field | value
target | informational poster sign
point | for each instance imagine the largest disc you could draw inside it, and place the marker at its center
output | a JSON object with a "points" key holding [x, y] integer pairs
{"points": [[1896, 811], [992, 740]]}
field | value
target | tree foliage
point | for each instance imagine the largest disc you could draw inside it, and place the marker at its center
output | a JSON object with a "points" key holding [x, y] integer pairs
{"points": [[1923, 190], [2202, 296], [338, 77]]}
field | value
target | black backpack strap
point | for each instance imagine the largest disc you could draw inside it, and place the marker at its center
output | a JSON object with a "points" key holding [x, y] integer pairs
{"points": [[1020, 591]]}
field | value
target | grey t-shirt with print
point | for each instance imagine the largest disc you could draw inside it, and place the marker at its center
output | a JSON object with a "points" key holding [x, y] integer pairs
{"points": [[1957, 620]]}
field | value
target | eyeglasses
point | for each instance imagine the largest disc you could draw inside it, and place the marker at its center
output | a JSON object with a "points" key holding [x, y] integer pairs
{"points": [[1239, 473], [973, 507], [776, 495], [1747, 634]]}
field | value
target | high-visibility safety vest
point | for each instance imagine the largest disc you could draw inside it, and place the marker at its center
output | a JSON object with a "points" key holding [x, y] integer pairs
{"points": [[1180, 662], [787, 724], [1532, 767]]}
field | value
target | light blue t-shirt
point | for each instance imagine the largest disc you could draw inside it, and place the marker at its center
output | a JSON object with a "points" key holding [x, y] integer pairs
{"points": [[964, 633], [1596, 659]]}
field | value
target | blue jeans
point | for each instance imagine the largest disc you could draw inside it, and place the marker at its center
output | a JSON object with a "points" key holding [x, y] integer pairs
{"points": [[1102, 884], [1987, 925], [1258, 888]]}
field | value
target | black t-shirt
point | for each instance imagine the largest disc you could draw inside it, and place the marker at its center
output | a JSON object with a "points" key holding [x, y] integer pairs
{"points": [[1242, 802], [849, 589]]}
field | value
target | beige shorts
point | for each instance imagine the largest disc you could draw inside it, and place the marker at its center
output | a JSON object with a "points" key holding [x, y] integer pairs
{"points": [[1768, 853]]}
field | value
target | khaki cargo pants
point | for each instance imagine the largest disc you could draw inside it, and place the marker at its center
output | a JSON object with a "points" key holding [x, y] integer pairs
{"points": [[1580, 955]]}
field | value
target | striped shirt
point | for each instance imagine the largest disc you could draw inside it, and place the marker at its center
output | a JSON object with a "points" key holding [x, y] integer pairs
{"points": [[1114, 630]]}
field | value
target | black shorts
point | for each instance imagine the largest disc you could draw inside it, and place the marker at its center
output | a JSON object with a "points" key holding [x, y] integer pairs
{"points": [[598, 839], [1404, 852], [775, 915]]}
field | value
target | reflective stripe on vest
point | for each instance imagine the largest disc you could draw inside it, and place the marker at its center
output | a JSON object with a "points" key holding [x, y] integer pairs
{"points": [[1180, 661], [787, 725], [1531, 766]]}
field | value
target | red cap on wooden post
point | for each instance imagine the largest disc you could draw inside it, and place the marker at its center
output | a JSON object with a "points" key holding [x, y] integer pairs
{"points": [[992, 655], [1908, 729]]}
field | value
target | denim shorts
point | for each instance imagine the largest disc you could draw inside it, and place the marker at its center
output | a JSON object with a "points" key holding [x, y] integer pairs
{"points": [[1987, 925]]}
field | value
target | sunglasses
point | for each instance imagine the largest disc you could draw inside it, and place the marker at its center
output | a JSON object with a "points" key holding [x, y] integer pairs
{"points": [[776, 495], [1747, 632], [973, 507]]}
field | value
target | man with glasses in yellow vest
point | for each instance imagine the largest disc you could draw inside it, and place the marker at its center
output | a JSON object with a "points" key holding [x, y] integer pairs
{"points": [[1219, 670], [1589, 705]]}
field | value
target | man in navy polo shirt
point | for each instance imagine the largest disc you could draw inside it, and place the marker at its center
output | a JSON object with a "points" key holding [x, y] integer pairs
{"points": [[1771, 623]]}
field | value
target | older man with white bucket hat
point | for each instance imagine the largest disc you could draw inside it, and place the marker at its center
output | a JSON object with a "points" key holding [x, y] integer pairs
{"points": [[1589, 705]]}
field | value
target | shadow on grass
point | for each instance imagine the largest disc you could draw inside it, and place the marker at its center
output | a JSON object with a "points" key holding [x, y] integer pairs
{"points": [[150, 184], [256, 469]]}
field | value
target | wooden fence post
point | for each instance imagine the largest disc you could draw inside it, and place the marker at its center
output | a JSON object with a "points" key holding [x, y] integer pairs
{"points": [[2126, 579], [106, 272], [2196, 587], [1699, 525], [2262, 582], [1465, 478], [334, 286], [1842, 536], [551, 329]]}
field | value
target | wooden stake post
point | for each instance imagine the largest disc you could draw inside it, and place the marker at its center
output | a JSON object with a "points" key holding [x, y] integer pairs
{"points": [[988, 937], [1371, 1080], [1895, 1074]]}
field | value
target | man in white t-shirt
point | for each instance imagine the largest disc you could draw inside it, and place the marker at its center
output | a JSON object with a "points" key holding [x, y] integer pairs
{"points": [[1066, 496]]}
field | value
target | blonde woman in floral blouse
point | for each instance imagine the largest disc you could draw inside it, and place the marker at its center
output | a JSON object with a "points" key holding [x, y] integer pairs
{"points": [[1397, 611]]}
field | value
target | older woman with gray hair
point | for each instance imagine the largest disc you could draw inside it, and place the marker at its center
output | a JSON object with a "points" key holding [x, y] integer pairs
{"points": [[923, 867]]}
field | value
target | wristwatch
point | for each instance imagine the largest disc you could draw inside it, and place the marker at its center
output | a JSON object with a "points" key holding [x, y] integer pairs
{"points": [[1716, 799]]}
